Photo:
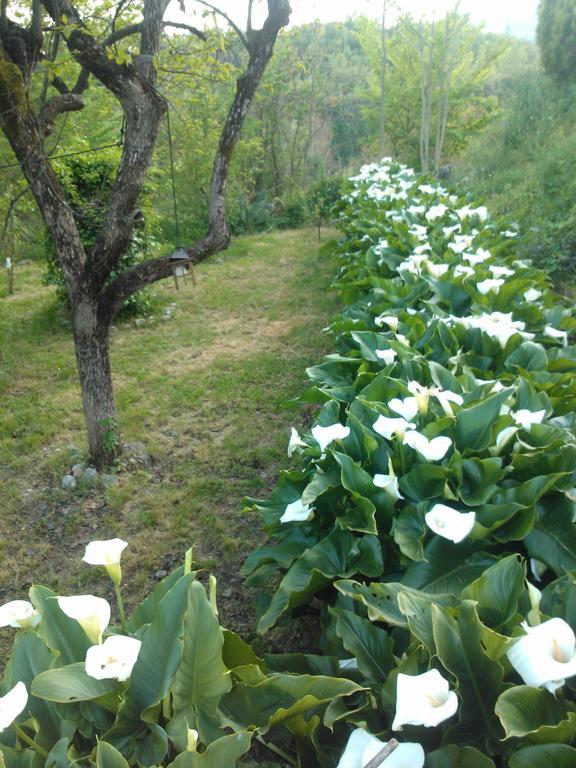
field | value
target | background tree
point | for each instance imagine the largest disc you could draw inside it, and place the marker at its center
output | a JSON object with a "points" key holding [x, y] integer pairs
{"points": [[556, 35], [130, 76]]}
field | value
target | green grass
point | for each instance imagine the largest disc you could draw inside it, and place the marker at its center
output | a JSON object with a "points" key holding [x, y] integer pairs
{"points": [[204, 391]]}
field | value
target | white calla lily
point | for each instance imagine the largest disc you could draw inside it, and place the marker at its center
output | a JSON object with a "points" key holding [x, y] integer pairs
{"points": [[436, 212], [431, 450], [388, 483], [444, 397], [297, 512], [427, 189], [295, 441], [450, 523], [113, 659], [20, 614], [107, 553], [92, 613], [387, 355], [12, 705], [546, 655], [501, 271], [362, 747], [390, 320], [532, 294], [463, 270], [388, 427], [436, 270], [326, 435], [490, 284], [499, 325], [526, 418], [478, 257], [554, 333], [407, 408], [423, 700]]}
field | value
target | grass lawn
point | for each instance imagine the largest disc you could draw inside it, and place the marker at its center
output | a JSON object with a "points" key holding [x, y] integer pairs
{"points": [[204, 392]]}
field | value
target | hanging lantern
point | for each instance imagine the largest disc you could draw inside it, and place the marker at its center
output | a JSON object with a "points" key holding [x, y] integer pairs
{"points": [[180, 263]]}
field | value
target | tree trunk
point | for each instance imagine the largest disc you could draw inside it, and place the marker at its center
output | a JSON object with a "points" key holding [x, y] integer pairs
{"points": [[91, 341]]}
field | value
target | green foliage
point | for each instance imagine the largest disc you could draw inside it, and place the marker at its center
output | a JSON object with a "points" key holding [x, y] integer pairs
{"points": [[557, 38]]}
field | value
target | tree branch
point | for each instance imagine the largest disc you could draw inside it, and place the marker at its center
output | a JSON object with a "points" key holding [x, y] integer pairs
{"points": [[187, 27], [225, 16], [57, 105]]}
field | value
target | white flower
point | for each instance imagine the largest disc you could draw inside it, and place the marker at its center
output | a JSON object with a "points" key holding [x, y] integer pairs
{"points": [[416, 210], [510, 233], [467, 211], [499, 325], [419, 231], [297, 512], [436, 212], [523, 263], [407, 408], [436, 270], [388, 355], [449, 523], [389, 483], [546, 655], [92, 613], [423, 700], [422, 249], [108, 554], [390, 320], [326, 435], [488, 285], [19, 613], [431, 450], [532, 294], [478, 257], [12, 704], [501, 271], [444, 397], [113, 659], [449, 231], [387, 427], [462, 269], [502, 439], [526, 418], [362, 747], [426, 189], [554, 333], [295, 441]]}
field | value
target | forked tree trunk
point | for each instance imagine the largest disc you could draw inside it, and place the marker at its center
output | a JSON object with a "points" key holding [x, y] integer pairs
{"points": [[91, 342]]}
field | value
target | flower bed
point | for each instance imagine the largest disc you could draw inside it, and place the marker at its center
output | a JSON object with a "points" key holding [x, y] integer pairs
{"points": [[437, 486]]}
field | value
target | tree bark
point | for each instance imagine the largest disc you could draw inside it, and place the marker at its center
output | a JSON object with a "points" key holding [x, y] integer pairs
{"points": [[91, 343]]}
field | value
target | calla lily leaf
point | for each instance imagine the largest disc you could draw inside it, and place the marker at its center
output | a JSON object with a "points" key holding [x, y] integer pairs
{"points": [[69, 684], [535, 715], [453, 756], [557, 755]]}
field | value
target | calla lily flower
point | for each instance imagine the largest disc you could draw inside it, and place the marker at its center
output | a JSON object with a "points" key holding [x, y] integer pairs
{"points": [[490, 284], [12, 704], [407, 408], [426, 189], [362, 747], [419, 231], [466, 212], [297, 512], [326, 435], [295, 442], [449, 523], [526, 418], [436, 212], [532, 294], [502, 439], [113, 659], [554, 333], [449, 231], [422, 250], [444, 397], [431, 450], [436, 270], [20, 614], [499, 325], [478, 257], [387, 355], [387, 427], [108, 554], [501, 271], [416, 210], [92, 613], [546, 655], [423, 700], [389, 483], [390, 320], [462, 269]]}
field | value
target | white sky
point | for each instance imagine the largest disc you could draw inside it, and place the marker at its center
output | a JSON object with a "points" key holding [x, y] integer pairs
{"points": [[514, 16]]}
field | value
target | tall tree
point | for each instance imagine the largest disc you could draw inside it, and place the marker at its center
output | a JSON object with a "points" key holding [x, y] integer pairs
{"points": [[556, 35], [95, 294]]}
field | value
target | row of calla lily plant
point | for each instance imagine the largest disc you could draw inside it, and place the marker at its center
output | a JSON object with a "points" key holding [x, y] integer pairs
{"points": [[428, 515]]}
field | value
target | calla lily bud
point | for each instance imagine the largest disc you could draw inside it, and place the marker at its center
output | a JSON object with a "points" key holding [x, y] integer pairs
{"points": [[546, 655], [20, 614], [92, 613], [423, 700], [12, 704], [108, 554]]}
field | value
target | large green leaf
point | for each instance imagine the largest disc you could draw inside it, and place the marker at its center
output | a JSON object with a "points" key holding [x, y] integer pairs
{"points": [[202, 677], [109, 757], [453, 756], [459, 648], [498, 591], [223, 753], [371, 646], [544, 755], [339, 555], [71, 683], [553, 539], [535, 715], [474, 424]]}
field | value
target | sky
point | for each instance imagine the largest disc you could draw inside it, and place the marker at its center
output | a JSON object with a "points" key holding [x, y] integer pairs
{"points": [[517, 17]]}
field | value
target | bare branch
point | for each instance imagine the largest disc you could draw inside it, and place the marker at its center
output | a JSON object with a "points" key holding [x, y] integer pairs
{"points": [[57, 105], [187, 27], [232, 24]]}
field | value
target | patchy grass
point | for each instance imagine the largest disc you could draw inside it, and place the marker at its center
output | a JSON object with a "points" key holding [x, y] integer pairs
{"points": [[204, 392]]}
